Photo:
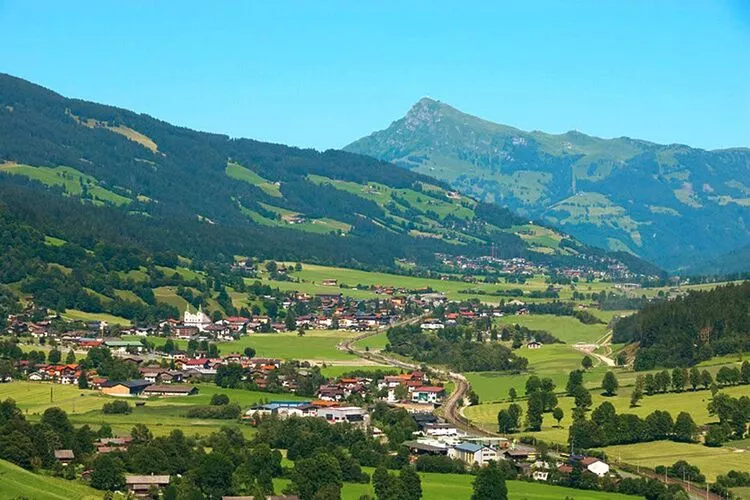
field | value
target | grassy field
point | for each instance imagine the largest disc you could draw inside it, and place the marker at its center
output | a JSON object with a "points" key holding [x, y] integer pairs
{"points": [[711, 461], [374, 342], [69, 179], [16, 482], [337, 371], [459, 486], [312, 275], [566, 328], [693, 402], [161, 415], [319, 345], [76, 315], [237, 171], [553, 361]]}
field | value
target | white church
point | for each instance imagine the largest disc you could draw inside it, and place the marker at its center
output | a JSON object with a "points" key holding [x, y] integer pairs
{"points": [[197, 319]]}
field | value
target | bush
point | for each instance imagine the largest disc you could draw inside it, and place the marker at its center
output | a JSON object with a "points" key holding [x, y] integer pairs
{"points": [[219, 400], [223, 412], [117, 407]]}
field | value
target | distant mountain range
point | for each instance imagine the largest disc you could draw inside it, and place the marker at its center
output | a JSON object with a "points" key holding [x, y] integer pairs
{"points": [[673, 205], [87, 172]]}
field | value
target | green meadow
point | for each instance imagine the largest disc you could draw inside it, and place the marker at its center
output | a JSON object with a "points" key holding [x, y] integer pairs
{"points": [[16, 482], [161, 415], [711, 461], [69, 179], [459, 486], [566, 328], [318, 345], [694, 403]]}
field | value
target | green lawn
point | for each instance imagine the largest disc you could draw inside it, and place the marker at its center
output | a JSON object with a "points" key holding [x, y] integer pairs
{"points": [[16, 482], [566, 328], [711, 461], [237, 171], [161, 415], [69, 179], [374, 342], [459, 486], [314, 274], [693, 402], [337, 371], [319, 345], [76, 315]]}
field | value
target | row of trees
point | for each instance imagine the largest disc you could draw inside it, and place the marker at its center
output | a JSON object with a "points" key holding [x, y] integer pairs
{"points": [[606, 427]]}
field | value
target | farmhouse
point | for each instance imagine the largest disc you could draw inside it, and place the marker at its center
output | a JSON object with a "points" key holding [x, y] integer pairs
{"points": [[128, 388], [352, 414], [64, 456], [140, 485], [428, 394], [533, 344], [170, 390], [473, 453]]}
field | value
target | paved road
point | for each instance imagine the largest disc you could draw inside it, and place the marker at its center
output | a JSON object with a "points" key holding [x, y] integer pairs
{"points": [[450, 409]]}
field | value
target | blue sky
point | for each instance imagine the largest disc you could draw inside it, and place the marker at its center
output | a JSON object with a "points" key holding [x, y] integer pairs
{"points": [[322, 74]]}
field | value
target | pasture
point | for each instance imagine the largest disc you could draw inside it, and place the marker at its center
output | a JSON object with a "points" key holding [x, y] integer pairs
{"points": [[711, 461], [315, 345], [694, 403], [566, 328], [311, 277], [16, 482], [459, 486], [161, 415]]}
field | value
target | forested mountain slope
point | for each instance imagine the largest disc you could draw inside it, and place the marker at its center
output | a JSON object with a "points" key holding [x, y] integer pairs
{"points": [[81, 171], [671, 204], [689, 329]]}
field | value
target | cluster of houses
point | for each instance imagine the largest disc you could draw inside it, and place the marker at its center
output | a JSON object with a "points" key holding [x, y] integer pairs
{"points": [[405, 389], [435, 437]]}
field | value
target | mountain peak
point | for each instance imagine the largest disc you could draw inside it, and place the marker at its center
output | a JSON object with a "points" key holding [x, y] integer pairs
{"points": [[426, 112]]}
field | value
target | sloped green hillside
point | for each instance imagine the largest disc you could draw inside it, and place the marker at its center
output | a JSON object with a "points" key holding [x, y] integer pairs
{"points": [[673, 205], [206, 196]]}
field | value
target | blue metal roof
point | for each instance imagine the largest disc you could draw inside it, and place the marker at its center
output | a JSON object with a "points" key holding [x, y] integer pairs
{"points": [[469, 447]]}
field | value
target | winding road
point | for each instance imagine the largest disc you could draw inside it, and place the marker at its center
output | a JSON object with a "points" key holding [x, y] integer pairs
{"points": [[450, 410]]}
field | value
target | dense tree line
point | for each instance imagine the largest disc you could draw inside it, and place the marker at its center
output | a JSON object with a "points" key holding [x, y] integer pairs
{"points": [[453, 347], [689, 329], [606, 427]]}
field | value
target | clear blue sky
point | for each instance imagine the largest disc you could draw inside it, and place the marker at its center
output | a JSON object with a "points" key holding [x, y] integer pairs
{"points": [[322, 74]]}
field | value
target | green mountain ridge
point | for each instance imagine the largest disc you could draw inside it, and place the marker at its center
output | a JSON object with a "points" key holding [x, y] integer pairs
{"points": [[671, 204], [163, 188]]}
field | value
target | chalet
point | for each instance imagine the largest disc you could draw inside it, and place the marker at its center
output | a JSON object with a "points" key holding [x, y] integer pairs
{"points": [[124, 345], [283, 409], [185, 332], [128, 388], [521, 453], [140, 486], [440, 429], [423, 447], [108, 445], [170, 390], [64, 456], [472, 453], [330, 282], [428, 394], [331, 393], [351, 414], [534, 344]]}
